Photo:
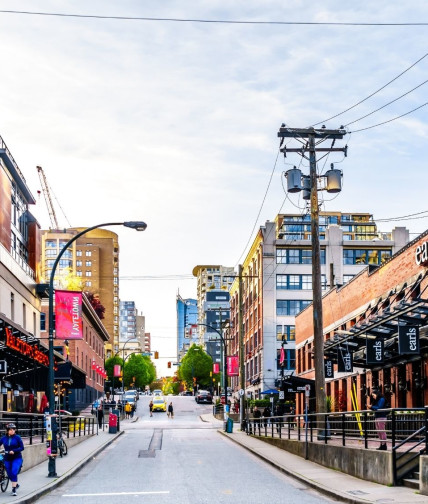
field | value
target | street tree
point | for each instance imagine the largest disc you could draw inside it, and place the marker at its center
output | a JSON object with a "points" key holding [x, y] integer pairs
{"points": [[139, 371], [196, 367]]}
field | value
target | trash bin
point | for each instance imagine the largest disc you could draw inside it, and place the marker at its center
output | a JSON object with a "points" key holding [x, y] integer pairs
{"points": [[229, 426], [117, 413], [112, 423]]}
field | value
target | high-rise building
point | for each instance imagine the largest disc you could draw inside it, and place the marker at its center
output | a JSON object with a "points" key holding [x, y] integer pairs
{"points": [[94, 260], [187, 320], [277, 283], [128, 339]]}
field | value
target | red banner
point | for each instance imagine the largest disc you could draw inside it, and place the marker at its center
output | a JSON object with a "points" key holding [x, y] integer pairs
{"points": [[116, 370], [216, 368], [68, 315], [232, 366]]}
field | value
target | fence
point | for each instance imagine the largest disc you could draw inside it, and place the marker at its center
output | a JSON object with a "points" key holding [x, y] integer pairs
{"points": [[31, 426], [344, 428]]}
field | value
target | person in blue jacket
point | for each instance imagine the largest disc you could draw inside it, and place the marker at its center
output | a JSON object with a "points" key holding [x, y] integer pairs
{"points": [[13, 447], [379, 403]]}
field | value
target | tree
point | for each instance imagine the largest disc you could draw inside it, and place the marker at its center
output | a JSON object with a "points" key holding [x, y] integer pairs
{"points": [[96, 304], [109, 367], [139, 371], [196, 364]]}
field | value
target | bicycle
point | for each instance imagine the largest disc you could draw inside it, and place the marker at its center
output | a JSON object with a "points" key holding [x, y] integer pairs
{"points": [[4, 478], [62, 447]]}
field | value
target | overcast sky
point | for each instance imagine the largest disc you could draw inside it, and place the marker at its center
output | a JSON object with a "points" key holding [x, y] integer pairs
{"points": [[176, 123]]}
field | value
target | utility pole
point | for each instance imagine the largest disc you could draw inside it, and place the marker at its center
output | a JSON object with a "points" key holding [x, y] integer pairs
{"points": [[310, 138], [242, 398]]}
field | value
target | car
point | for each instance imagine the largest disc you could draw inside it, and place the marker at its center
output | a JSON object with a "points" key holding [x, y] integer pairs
{"points": [[159, 404], [203, 396], [63, 412], [157, 392], [187, 393]]}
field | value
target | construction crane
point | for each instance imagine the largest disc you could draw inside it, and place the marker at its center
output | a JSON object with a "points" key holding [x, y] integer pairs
{"points": [[48, 199]]}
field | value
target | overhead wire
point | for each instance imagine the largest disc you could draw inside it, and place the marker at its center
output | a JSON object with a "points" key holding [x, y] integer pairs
{"points": [[212, 21], [374, 93]]}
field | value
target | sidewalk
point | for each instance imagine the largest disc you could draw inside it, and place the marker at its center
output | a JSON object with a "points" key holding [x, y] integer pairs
{"points": [[35, 482], [327, 481]]}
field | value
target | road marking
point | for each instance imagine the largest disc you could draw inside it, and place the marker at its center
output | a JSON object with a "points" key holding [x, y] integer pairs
{"points": [[114, 493]]}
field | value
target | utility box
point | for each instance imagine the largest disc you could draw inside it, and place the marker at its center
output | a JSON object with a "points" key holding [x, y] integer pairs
{"points": [[229, 426], [112, 423]]}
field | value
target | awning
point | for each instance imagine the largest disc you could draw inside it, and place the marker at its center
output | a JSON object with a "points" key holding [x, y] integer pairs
{"points": [[297, 385], [270, 391]]}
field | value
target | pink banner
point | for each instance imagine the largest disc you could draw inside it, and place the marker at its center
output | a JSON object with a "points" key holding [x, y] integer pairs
{"points": [[68, 315], [116, 370], [216, 368], [232, 366]]}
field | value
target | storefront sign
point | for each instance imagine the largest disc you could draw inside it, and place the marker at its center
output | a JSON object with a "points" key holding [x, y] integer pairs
{"points": [[408, 340], [328, 369], [25, 349], [421, 254], [232, 366], [344, 361], [374, 351], [68, 315]]}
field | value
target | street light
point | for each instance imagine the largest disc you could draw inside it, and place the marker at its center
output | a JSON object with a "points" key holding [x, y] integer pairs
{"points": [[138, 226]]}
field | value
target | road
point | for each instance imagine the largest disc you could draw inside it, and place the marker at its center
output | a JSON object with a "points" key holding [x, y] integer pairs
{"points": [[178, 461]]}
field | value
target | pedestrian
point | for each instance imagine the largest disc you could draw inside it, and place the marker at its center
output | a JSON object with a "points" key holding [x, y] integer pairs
{"points": [[132, 410], [256, 415], [151, 407], [127, 409], [170, 410], [379, 403], [13, 447], [266, 414], [100, 416]]}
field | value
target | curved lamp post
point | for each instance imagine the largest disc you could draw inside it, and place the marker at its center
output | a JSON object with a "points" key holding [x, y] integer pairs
{"points": [[138, 226]]}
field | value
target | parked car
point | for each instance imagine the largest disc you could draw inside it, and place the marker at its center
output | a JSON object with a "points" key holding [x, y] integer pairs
{"points": [[203, 396], [187, 393], [159, 404], [157, 392]]}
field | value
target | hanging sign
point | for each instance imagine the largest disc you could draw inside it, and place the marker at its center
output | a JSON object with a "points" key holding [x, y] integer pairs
{"points": [[24, 348], [344, 361], [216, 368], [232, 366], [116, 370], [282, 357], [408, 340], [328, 368], [374, 351], [68, 315]]}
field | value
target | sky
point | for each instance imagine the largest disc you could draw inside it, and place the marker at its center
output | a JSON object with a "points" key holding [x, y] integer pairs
{"points": [[175, 123]]}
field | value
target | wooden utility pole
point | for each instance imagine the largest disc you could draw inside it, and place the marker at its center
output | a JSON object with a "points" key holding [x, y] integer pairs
{"points": [[242, 398], [310, 138]]}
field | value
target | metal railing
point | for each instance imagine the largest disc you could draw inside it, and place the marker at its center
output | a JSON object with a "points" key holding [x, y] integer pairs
{"points": [[31, 426]]}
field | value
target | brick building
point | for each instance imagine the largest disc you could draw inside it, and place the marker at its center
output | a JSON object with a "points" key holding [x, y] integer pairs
{"points": [[383, 307]]}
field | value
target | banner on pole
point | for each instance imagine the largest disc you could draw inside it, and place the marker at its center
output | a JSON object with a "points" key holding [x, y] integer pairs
{"points": [[408, 340], [344, 361], [328, 367], [68, 315], [216, 368], [374, 351], [116, 370], [232, 366]]}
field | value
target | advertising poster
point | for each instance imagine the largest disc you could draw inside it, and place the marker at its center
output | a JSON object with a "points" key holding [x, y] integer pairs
{"points": [[232, 366], [68, 315]]}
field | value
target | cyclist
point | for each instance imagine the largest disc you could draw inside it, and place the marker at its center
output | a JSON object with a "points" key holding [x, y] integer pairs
{"points": [[14, 447]]}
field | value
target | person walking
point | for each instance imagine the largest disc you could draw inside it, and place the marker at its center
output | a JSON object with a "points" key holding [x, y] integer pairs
{"points": [[100, 416], [151, 407], [13, 447], [256, 415], [379, 403], [127, 409], [170, 410], [266, 414]]}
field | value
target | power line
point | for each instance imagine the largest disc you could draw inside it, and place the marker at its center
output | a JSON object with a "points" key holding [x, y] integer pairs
{"points": [[387, 219], [372, 94], [386, 104], [390, 120], [210, 21]]}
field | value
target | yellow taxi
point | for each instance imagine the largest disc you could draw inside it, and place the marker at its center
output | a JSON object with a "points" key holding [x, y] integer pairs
{"points": [[159, 404]]}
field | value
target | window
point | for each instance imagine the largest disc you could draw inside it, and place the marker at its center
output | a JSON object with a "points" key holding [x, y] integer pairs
{"points": [[298, 282], [88, 253], [78, 273], [12, 305], [289, 361], [51, 253], [78, 253], [88, 273], [346, 278], [88, 283], [362, 256], [288, 332], [43, 321], [34, 322], [50, 263], [50, 244], [297, 256], [65, 263], [88, 263], [290, 307], [79, 264], [24, 316]]}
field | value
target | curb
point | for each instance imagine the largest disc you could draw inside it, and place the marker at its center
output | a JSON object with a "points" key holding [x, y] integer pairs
{"points": [[313, 484], [60, 479]]}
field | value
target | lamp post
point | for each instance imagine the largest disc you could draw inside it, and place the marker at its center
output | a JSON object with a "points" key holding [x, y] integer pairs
{"points": [[123, 359], [138, 226]]}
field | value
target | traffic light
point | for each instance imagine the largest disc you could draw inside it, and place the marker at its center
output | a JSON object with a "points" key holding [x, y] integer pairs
{"points": [[156, 355], [169, 364]]}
